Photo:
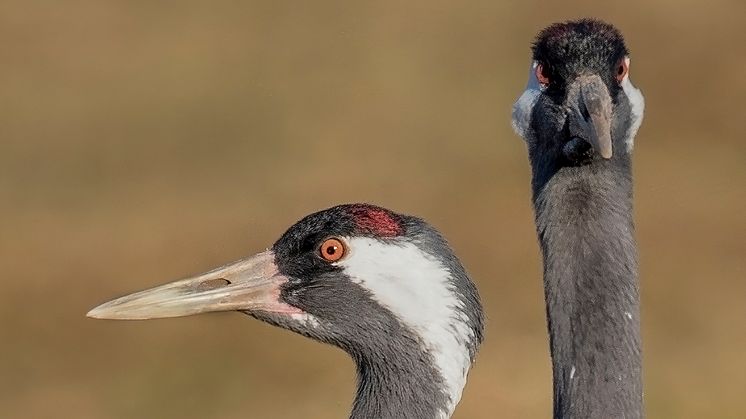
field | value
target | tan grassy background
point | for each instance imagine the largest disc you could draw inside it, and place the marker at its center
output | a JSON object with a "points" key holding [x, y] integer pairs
{"points": [[144, 141]]}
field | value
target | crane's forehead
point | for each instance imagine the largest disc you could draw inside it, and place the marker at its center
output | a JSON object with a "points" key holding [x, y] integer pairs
{"points": [[583, 42], [350, 220], [376, 221]]}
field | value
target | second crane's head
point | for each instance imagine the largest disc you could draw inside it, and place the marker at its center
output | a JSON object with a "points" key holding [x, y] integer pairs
{"points": [[579, 105], [385, 287]]}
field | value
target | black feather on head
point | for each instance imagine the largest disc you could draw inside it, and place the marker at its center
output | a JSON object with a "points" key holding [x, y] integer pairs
{"points": [[587, 45]]}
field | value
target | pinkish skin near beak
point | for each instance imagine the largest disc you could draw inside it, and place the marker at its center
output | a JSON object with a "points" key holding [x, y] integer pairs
{"points": [[251, 284]]}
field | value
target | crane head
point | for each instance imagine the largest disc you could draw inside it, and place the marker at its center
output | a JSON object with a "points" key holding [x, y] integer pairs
{"points": [[357, 276], [579, 105]]}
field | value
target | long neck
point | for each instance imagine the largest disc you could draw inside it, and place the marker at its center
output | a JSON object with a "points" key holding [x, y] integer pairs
{"points": [[398, 385], [584, 223]]}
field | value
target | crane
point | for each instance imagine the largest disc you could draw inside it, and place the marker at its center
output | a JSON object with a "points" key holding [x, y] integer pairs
{"points": [[579, 115], [384, 287]]}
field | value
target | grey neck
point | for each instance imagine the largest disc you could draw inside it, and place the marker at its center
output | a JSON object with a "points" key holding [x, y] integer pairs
{"points": [[390, 387], [584, 223]]}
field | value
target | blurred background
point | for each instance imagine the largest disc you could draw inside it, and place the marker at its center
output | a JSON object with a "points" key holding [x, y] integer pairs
{"points": [[145, 141]]}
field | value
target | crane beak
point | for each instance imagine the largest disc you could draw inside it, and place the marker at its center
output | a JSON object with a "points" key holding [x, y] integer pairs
{"points": [[589, 105], [251, 284]]}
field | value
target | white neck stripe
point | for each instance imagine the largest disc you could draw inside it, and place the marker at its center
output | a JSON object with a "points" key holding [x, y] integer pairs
{"points": [[417, 288]]}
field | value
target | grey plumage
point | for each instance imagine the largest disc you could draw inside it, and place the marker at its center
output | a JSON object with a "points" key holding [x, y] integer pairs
{"points": [[396, 378], [583, 210]]}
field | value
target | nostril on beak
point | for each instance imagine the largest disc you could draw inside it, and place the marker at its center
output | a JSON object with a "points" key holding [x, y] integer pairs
{"points": [[211, 284], [584, 112]]}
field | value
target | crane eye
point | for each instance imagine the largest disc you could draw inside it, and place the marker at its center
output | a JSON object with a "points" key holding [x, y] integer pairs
{"points": [[332, 249], [621, 70], [542, 74]]}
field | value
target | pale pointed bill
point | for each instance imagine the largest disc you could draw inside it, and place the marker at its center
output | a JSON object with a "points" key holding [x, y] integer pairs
{"points": [[250, 284]]}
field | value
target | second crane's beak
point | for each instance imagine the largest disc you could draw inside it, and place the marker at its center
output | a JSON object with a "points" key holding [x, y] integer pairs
{"points": [[251, 284], [589, 105]]}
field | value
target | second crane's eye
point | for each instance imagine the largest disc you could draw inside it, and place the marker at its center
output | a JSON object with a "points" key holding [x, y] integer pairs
{"points": [[332, 249], [542, 74], [622, 69]]}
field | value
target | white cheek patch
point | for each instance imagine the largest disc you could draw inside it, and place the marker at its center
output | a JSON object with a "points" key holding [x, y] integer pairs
{"points": [[416, 287], [525, 104], [637, 104]]}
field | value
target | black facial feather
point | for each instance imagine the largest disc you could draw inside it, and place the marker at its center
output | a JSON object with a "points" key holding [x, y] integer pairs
{"points": [[571, 48], [297, 249], [566, 51]]}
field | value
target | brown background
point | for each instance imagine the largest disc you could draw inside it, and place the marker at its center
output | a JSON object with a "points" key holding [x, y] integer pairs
{"points": [[144, 141]]}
